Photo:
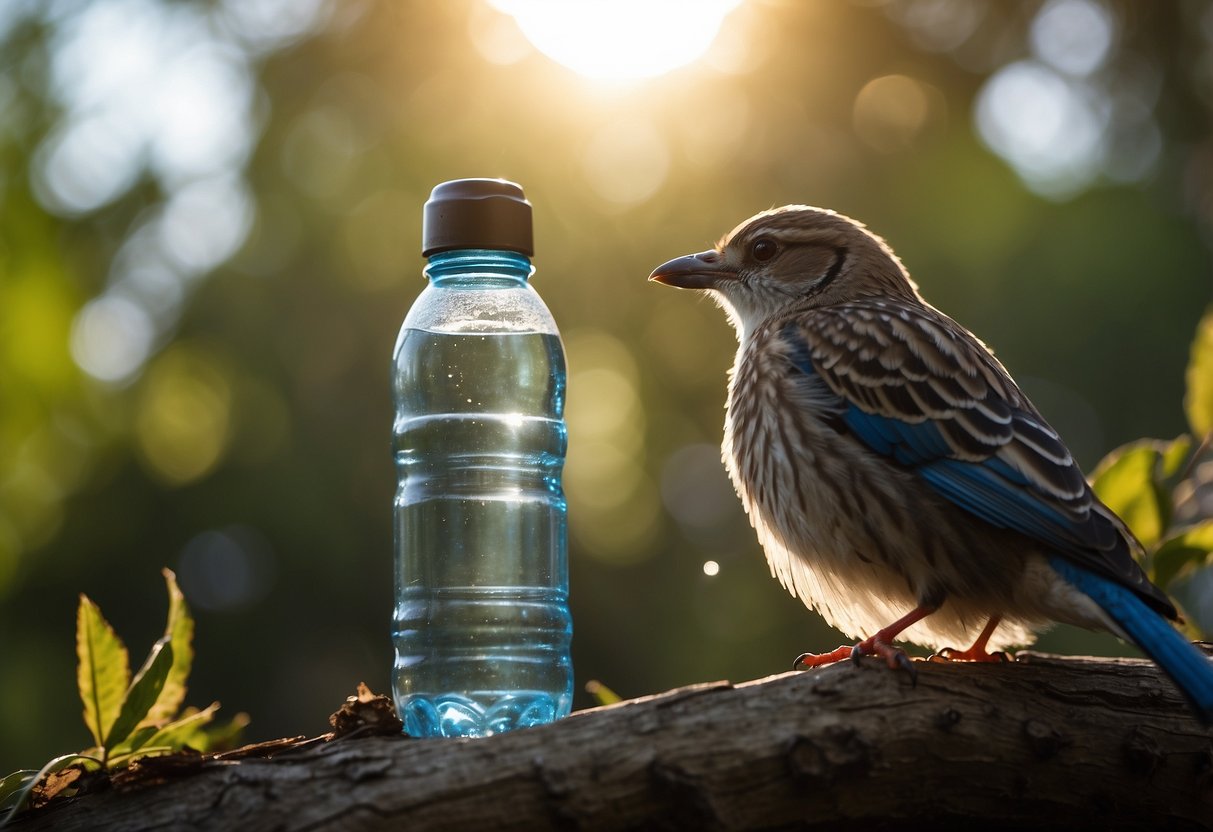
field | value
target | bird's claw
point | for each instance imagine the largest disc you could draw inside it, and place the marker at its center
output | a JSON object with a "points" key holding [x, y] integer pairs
{"points": [[806, 660], [894, 657], [951, 654]]}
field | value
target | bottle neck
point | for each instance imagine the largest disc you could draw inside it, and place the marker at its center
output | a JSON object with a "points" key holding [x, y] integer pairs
{"points": [[479, 267]]}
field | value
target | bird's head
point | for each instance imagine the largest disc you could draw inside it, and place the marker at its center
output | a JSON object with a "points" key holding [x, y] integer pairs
{"points": [[794, 257]]}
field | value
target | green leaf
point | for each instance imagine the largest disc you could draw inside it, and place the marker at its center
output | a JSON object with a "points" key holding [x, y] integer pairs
{"points": [[121, 760], [179, 631], [11, 785], [134, 742], [103, 670], [1192, 547], [1171, 463], [142, 693], [1168, 471], [178, 734], [29, 779], [601, 693], [1198, 400], [1132, 481]]}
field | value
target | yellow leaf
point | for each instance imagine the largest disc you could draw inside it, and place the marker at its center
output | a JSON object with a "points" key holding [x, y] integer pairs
{"points": [[179, 633], [601, 693], [1190, 549], [1124, 480], [103, 670], [1198, 401]]}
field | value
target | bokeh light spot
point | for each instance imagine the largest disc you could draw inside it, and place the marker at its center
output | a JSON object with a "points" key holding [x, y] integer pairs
{"points": [[33, 500], [614, 507], [202, 107], [205, 222], [606, 405], [1048, 127], [226, 569], [86, 164], [601, 475], [1074, 36], [111, 338], [711, 568], [890, 112], [35, 318], [266, 24], [182, 424], [939, 25], [625, 534], [144, 83]]}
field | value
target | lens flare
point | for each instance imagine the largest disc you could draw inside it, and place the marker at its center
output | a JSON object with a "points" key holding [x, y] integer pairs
{"points": [[619, 40]]}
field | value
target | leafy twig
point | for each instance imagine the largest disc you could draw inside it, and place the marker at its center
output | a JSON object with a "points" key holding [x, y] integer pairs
{"points": [[128, 718]]}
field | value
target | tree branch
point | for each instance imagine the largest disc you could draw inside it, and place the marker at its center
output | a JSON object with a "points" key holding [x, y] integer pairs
{"points": [[1048, 742]]}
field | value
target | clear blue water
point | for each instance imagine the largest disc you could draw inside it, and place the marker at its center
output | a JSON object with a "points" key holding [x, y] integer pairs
{"points": [[481, 624]]}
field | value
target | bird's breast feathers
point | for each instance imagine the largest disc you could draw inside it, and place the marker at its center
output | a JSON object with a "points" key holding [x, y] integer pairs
{"points": [[801, 487]]}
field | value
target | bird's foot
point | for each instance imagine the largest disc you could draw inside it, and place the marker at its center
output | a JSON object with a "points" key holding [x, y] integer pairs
{"points": [[978, 652], [973, 654], [894, 657], [879, 644], [806, 660]]}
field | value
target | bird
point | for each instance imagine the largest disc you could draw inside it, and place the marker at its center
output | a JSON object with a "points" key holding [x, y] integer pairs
{"points": [[899, 481]]}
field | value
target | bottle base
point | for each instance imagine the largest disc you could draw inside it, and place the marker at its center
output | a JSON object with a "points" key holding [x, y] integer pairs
{"points": [[480, 715]]}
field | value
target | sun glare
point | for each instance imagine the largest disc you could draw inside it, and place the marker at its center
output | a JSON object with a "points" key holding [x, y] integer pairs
{"points": [[619, 40]]}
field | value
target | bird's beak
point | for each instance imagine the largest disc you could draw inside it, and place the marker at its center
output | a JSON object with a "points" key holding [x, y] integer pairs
{"points": [[705, 270]]}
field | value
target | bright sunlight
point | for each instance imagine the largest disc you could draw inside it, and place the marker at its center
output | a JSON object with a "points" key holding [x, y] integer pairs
{"points": [[619, 40]]}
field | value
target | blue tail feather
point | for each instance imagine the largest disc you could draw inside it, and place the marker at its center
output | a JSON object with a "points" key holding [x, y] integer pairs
{"points": [[1188, 667]]}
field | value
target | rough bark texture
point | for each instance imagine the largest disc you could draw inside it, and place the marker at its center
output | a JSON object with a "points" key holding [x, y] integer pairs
{"points": [[1043, 742]]}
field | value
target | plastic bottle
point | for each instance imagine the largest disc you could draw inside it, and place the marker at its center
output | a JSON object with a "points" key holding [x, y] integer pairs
{"points": [[481, 624]]}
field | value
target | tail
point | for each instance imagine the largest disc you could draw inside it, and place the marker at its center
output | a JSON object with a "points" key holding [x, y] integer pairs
{"points": [[1188, 667]]}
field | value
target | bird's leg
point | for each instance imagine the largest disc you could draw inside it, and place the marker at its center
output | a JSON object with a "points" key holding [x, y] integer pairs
{"points": [[879, 644], [976, 653]]}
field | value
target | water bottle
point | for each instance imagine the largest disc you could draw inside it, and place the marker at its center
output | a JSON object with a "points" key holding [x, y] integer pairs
{"points": [[481, 622]]}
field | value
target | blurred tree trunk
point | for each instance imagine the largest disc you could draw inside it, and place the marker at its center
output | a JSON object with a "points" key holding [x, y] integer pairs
{"points": [[1044, 742]]}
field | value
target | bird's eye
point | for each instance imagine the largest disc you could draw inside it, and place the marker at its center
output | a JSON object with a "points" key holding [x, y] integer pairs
{"points": [[763, 250]]}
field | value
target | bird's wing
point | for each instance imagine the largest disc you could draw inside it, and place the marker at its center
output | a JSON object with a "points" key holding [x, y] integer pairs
{"points": [[919, 389]]}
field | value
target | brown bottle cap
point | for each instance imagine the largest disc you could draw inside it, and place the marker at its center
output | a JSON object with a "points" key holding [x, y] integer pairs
{"points": [[477, 213]]}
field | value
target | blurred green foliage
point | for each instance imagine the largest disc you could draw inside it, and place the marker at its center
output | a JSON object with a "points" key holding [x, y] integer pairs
{"points": [[1143, 482], [194, 348]]}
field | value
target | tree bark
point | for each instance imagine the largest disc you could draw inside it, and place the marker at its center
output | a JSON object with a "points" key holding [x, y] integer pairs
{"points": [[1044, 742]]}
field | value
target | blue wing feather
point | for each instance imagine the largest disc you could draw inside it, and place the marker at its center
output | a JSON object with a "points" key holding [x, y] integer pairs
{"points": [[982, 490], [990, 488]]}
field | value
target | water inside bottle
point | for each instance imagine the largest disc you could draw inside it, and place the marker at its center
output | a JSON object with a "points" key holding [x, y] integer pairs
{"points": [[482, 625]]}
